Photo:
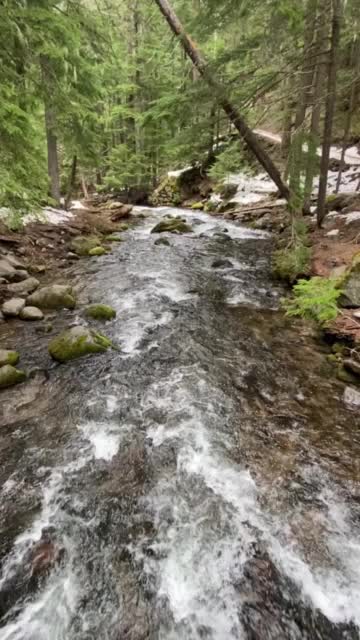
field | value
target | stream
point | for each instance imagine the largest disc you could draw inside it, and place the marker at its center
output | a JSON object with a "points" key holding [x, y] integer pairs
{"points": [[202, 482]]}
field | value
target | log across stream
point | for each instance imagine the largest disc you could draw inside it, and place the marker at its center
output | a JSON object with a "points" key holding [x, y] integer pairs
{"points": [[202, 481]]}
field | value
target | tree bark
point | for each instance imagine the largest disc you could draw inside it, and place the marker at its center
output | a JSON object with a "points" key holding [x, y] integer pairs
{"points": [[220, 92], [72, 180], [50, 129], [329, 109]]}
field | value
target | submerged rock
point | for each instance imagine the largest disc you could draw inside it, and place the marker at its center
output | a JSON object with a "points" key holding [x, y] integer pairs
{"points": [[25, 287], [12, 307], [162, 241], [172, 225], [31, 313], [100, 312], [8, 357], [222, 263], [97, 251], [82, 245], [9, 376], [55, 296], [76, 343]]}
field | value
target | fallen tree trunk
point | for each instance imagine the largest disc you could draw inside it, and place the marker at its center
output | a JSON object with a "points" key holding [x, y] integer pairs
{"points": [[220, 92]]}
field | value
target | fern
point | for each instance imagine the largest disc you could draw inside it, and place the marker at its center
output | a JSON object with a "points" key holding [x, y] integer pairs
{"points": [[315, 299]]}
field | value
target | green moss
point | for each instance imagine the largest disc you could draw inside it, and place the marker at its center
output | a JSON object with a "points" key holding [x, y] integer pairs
{"points": [[9, 376], [77, 343], [197, 205], [345, 376], [288, 264], [113, 238], [8, 357], [172, 225], [123, 227], [332, 358], [97, 251], [82, 245], [100, 312]]}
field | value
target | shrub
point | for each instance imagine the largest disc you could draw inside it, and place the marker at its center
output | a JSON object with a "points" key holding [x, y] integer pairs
{"points": [[291, 262], [315, 299]]}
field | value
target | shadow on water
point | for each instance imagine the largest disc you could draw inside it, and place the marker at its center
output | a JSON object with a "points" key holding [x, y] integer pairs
{"points": [[202, 482]]}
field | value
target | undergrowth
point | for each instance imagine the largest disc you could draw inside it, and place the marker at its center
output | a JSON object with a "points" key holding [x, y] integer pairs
{"points": [[294, 260], [315, 299]]}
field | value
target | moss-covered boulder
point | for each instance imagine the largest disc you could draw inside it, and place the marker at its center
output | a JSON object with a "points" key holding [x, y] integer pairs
{"points": [[168, 192], [197, 206], [97, 251], [100, 312], [172, 225], [350, 286], [8, 357], [82, 245], [77, 342], [9, 376], [55, 296], [123, 227]]}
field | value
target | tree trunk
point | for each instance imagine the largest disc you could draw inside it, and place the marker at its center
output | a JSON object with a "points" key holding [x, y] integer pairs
{"points": [[329, 109], [50, 129], [84, 187], [220, 92], [319, 81], [72, 180], [355, 59]]}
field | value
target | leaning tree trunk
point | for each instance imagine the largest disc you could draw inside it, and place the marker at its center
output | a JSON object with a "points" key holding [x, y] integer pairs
{"points": [[329, 110], [220, 92], [72, 180]]}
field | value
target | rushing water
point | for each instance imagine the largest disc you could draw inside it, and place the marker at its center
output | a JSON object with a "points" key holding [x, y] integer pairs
{"points": [[202, 481]]}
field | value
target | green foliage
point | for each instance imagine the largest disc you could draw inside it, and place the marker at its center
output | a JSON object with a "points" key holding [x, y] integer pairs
{"points": [[315, 299], [288, 264], [233, 159]]}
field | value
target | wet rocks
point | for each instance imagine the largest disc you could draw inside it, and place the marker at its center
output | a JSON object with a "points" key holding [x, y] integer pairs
{"points": [[82, 245], [222, 263], [8, 357], [25, 287], [11, 308], [56, 296], [119, 211], [97, 251], [172, 225], [100, 312], [13, 260], [162, 241], [351, 398], [10, 376], [31, 313], [77, 342], [44, 556]]}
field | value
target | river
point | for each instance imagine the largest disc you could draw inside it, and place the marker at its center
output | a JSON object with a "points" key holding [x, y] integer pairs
{"points": [[203, 481]]}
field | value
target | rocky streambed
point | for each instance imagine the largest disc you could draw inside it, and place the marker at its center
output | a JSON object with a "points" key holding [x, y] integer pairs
{"points": [[199, 481]]}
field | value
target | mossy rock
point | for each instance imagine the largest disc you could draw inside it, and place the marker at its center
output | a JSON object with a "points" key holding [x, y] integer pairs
{"points": [[82, 245], [114, 238], [172, 225], [56, 296], [123, 227], [8, 357], [346, 376], [197, 206], [9, 376], [100, 312], [97, 252], [77, 342]]}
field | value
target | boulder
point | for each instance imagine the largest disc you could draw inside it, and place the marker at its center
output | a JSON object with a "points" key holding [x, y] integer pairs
{"points": [[162, 241], [8, 357], [97, 251], [10, 376], [120, 211], [11, 308], [81, 245], [6, 269], [351, 398], [25, 287], [20, 275], [13, 260], [76, 343], [351, 287], [55, 296], [31, 313], [113, 238], [172, 225], [100, 312], [222, 263]]}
